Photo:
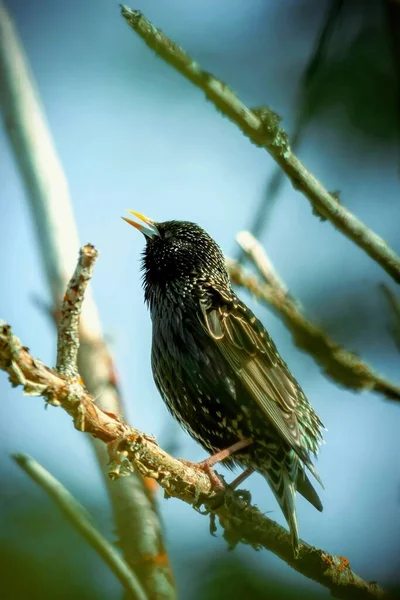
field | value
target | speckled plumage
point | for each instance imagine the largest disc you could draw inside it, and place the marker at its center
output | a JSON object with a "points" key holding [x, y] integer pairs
{"points": [[218, 370]]}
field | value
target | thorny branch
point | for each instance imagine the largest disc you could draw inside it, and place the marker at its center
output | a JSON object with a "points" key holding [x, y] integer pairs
{"points": [[262, 127], [341, 365], [131, 450]]}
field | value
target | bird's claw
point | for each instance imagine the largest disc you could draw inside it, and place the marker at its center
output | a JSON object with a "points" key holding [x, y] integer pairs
{"points": [[215, 481]]}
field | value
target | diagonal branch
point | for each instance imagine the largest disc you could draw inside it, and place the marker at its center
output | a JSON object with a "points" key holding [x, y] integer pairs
{"points": [[394, 305], [133, 451], [274, 184], [262, 128], [341, 365], [135, 511], [80, 519]]}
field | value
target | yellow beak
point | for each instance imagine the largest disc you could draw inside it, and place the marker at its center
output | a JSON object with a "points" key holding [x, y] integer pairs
{"points": [[149, 229]]}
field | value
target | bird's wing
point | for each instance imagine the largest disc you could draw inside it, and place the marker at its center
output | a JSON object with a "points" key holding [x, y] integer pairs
{"points": [[247, 347]]}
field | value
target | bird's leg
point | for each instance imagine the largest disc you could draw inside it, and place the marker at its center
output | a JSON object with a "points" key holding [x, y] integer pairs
{"points": [[223, 454], [236, 482], [216, 483], [207, 464]]}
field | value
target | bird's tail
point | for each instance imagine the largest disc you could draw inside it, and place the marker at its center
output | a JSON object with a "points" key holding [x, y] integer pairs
{"points": [[285, 477], [306, 489], [282, 480]]}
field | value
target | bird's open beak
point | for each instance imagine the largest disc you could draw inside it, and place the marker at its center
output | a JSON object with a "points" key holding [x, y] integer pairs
{"points": [[149, 229]]}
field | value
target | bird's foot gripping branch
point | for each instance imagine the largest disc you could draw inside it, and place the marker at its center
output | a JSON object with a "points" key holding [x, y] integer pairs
{"points": [[133, 450]]}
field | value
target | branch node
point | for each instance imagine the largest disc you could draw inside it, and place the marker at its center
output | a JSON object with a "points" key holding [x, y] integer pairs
{"points": [[130, 450], [261, 126], [275, 136]]}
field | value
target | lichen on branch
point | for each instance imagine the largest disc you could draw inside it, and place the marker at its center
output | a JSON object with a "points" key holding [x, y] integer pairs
{"points": [[338, 363], [262, 127], [131, 450]]}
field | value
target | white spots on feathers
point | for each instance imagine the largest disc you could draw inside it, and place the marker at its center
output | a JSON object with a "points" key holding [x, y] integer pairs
{"points": [[231, 387]]}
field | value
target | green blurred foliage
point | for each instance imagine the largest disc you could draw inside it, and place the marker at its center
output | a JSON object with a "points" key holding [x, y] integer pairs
{"points": [[359, 80], [57, 563], [46, 558], [227, 577]]}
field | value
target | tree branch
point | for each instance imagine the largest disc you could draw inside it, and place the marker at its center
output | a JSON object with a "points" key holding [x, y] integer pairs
{"points": [[135, 511], [68, 330], [133, 451], [80, 519], [394, 305], [261, 126], [257, 254], [340, 365], [274, 184]]}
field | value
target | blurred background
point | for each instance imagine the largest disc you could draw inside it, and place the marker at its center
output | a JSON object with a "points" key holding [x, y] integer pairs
{"points": [[132, 133]]}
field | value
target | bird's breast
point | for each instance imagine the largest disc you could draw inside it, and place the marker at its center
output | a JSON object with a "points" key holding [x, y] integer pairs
{"points": [[178, 335], [198, 386]]}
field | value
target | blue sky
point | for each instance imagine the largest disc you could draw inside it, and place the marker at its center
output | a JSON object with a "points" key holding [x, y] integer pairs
{"points": [[131, 133]]}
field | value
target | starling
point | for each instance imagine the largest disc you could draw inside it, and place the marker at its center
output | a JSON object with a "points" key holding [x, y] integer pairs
{"points": [[219, 372]]}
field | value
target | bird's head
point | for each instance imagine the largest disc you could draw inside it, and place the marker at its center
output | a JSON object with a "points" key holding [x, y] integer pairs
{"points": [[179, 253]]}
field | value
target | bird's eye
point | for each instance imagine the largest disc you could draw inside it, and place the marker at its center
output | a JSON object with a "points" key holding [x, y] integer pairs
{"points": [[167, 234]]}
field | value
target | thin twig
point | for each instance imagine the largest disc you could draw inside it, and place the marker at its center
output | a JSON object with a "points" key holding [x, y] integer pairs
{"points": [[321, 46], [394, 303], [138, 526], [80, 519], [339, 364], [71, 307], [262, 127], [132, 450], [273, 187], [256, 252]]}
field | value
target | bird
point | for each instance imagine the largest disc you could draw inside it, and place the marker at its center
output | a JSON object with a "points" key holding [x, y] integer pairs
{"points": [[218, 370]]}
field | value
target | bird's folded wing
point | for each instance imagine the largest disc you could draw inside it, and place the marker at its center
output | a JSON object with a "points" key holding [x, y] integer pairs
{"points": [[247, 347]]}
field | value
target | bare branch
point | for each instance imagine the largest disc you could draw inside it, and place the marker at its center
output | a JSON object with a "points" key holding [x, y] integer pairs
{"points": [[270, 195], [256, 252], [80, 519], [344, 367], [135, 511], [132, 450], [394, 304], [262, 127], [68, 326]]}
